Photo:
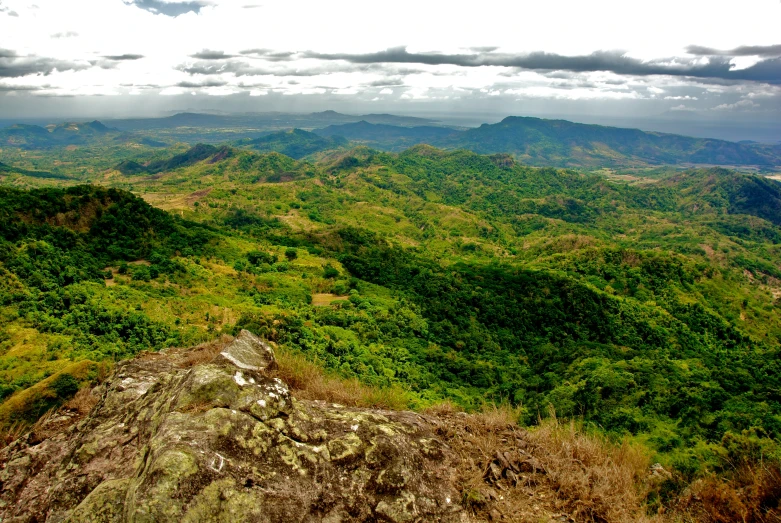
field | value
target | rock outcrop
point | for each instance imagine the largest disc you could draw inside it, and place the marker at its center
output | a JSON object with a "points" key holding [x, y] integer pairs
{"points": [[221, 440]]}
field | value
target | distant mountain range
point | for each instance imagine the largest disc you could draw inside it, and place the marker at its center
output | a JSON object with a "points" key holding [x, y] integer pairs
{"points": [[64, 134], [262, 121], [532, 141], [537, 141]]}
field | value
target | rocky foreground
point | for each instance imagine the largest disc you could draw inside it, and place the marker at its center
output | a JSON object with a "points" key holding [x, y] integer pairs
{"points": [[175, 438]]}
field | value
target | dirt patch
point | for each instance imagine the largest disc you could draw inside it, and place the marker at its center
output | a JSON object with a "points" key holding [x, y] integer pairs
{"points": [[197, 195], [324, 299]]}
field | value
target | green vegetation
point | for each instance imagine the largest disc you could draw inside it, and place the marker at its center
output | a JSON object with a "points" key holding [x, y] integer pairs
{"points": [[561, 143], [647, 307], [295, 143], [35, 137]]}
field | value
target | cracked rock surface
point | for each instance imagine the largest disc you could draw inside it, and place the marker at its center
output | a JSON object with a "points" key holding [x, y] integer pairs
{"points": [[222, 441]]}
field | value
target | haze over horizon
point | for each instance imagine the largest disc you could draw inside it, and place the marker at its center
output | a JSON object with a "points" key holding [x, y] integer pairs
{"points": [[708, 69]]}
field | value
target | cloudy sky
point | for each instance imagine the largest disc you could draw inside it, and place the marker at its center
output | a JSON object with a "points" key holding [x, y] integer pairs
{"points": [[710, 59]]}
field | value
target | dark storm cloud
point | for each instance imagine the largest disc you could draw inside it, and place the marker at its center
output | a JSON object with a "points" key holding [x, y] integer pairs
{"points": [[168, 8], [198, 85], [12, 65], [768, 51], [614, 61], [123, 57], [65, 34], [208, 54]]}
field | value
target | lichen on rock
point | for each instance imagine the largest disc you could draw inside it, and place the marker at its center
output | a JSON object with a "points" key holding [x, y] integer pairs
{"points": [[225, 441]]}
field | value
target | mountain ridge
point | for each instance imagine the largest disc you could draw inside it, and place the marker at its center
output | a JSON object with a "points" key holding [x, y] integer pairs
{"points": [[562, 143]]}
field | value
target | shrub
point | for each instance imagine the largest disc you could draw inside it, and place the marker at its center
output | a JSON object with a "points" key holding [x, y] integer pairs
{"points": [[330, 272]]}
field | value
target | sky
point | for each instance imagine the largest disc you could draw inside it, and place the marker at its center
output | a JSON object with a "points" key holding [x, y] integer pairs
{"points": [[680, 60]]}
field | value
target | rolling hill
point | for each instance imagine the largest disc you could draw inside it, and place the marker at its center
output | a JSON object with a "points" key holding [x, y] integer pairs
{"points": [[7, 169], [295, 143]]}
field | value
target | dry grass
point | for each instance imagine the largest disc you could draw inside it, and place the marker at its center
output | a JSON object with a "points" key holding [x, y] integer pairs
{"points": [[324, 299], [597, 480], [82, 402], [11, 433], [205, 352], [308, 380], [751, 495]]}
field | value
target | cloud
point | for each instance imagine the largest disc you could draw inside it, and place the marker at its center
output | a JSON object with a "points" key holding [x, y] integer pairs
{"points": [[8, 11], [12, 65], [769, 51], [25, 88], [613, 61], [741, 105], [208, 54], [241, 68], [123, 57], [268, 54], [169, 8], [682, 108], [206, 83], [65, 34], [387, 82]]}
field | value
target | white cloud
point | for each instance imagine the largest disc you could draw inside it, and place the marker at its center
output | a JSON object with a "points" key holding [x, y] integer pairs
{"points": [[86, 30], [740, 105]]}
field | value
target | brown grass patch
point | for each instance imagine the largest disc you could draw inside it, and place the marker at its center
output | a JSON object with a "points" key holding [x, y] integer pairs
{"points": [[597, 480], [751, 495], [11, 433], [554, 471], [83, 402], [310, 381], [324, 299]]}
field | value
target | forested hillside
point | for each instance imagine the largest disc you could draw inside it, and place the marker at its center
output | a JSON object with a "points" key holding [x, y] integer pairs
{"points": [[646, 307]]}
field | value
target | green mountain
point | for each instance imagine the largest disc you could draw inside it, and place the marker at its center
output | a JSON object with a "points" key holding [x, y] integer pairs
{"points": [[536, 141], [295, 143], [192, 156], [36, 137], [559, 142], [387, 137]]}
